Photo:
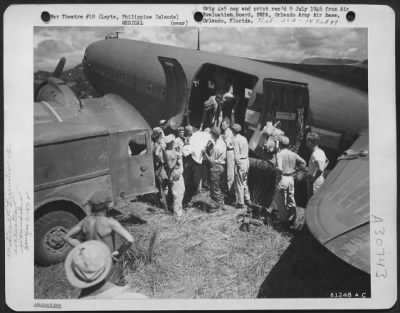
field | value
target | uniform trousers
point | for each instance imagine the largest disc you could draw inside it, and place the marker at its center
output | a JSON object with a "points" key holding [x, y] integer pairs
{"points": [[177, 191], [216, 173], [241, 187], [286, 188]]}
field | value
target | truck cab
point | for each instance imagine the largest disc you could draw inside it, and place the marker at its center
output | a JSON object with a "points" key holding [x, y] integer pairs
{"points": [[80, 147]]}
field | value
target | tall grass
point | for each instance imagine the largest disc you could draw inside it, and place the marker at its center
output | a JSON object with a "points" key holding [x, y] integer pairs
{"points": [[202, 256]]}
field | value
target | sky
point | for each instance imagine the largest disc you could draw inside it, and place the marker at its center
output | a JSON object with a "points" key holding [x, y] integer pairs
{"points": [[277, 44]]}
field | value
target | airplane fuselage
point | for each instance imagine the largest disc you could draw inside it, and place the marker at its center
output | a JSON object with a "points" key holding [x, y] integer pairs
{"points": [[158, 80]]}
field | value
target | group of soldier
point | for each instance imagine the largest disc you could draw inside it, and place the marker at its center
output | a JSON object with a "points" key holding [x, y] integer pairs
{"points": [[215, 158], [190, 162]]}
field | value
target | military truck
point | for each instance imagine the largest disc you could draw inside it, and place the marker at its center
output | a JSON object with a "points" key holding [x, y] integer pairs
{"points": [[80, 146]]}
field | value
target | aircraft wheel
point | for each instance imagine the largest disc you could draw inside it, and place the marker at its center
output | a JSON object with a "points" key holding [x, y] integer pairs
{"points": [[50, 229]]}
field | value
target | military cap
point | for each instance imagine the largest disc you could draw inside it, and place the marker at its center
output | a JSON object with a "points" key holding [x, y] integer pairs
{"points": [[163, 122], [236, 128], [215, 131], [99, 200], [169, 139], [284, 140], [189, 128], [157, 130]]}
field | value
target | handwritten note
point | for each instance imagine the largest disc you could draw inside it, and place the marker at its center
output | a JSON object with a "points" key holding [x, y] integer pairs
{"points": [[18, 211]]}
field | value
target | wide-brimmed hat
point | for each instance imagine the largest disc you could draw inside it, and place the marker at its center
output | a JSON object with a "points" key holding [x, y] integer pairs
{"points": [[236, 128], [88, 264]]}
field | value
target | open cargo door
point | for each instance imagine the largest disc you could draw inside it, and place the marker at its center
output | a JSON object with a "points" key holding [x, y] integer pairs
{"points": [[286, 102], [176, 91]]}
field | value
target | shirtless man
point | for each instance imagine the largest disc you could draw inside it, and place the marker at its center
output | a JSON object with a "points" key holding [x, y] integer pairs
{"points": [[97, 226]]}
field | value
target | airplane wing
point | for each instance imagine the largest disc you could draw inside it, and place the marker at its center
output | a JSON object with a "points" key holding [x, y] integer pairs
{"points": [[338, 214]]}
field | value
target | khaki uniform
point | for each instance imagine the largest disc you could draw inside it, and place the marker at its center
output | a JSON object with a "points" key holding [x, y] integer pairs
{"points": [[241, 150], [287, 161], [230, 159], [160, 173], [218, 158], [174, 169], [317, 157]]}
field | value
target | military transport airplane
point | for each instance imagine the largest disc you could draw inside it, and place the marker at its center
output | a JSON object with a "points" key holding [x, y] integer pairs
{"points": [[164, 82]]}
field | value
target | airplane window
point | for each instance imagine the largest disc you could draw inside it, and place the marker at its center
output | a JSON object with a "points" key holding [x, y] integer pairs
{"points": [[137, 145]]}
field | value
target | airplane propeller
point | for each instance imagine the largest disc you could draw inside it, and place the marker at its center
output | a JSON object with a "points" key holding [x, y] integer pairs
{"points": [[59, 68]]}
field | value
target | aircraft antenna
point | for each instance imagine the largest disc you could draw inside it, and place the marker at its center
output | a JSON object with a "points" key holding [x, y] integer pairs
{"points": [[198, 39]]}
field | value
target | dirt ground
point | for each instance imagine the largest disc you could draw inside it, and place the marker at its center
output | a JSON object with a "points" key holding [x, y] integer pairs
{"points": [[204, 255]]}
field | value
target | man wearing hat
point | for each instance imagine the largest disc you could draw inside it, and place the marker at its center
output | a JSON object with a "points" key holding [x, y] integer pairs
{"points": [[87, 267], [227, 136], [316, 165], [241, 152], [287, 163], [188, 165], [163, 124], [161, 178], [97, 226], [180, 139], [217, 160], [174, 169], [212, 114], [188, 134]]}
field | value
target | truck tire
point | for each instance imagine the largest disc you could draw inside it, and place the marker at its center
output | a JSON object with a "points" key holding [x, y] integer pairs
{"points": [[50, 229]]}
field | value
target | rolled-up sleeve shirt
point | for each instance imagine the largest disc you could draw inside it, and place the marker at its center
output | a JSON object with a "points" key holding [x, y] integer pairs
{"points": [[241, 148], [218, 152]]}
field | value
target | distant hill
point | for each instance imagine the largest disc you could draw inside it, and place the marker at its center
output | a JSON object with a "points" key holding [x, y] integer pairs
{"points": [[328, 61]]}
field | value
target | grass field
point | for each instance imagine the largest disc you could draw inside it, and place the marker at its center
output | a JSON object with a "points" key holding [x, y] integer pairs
{"points": [[205, 255]]}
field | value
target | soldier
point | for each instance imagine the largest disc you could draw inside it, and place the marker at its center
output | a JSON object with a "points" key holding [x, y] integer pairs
{"points": [[200, 167], [97, 226], [188, 134], [287, 162], [241, 152], [317, 164], [174, 169], [159, 170], [227, 136], [230, 102], [163, 124], [180, 140], [188, 165], [216, 157], [87, 267], [212, 114]]}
